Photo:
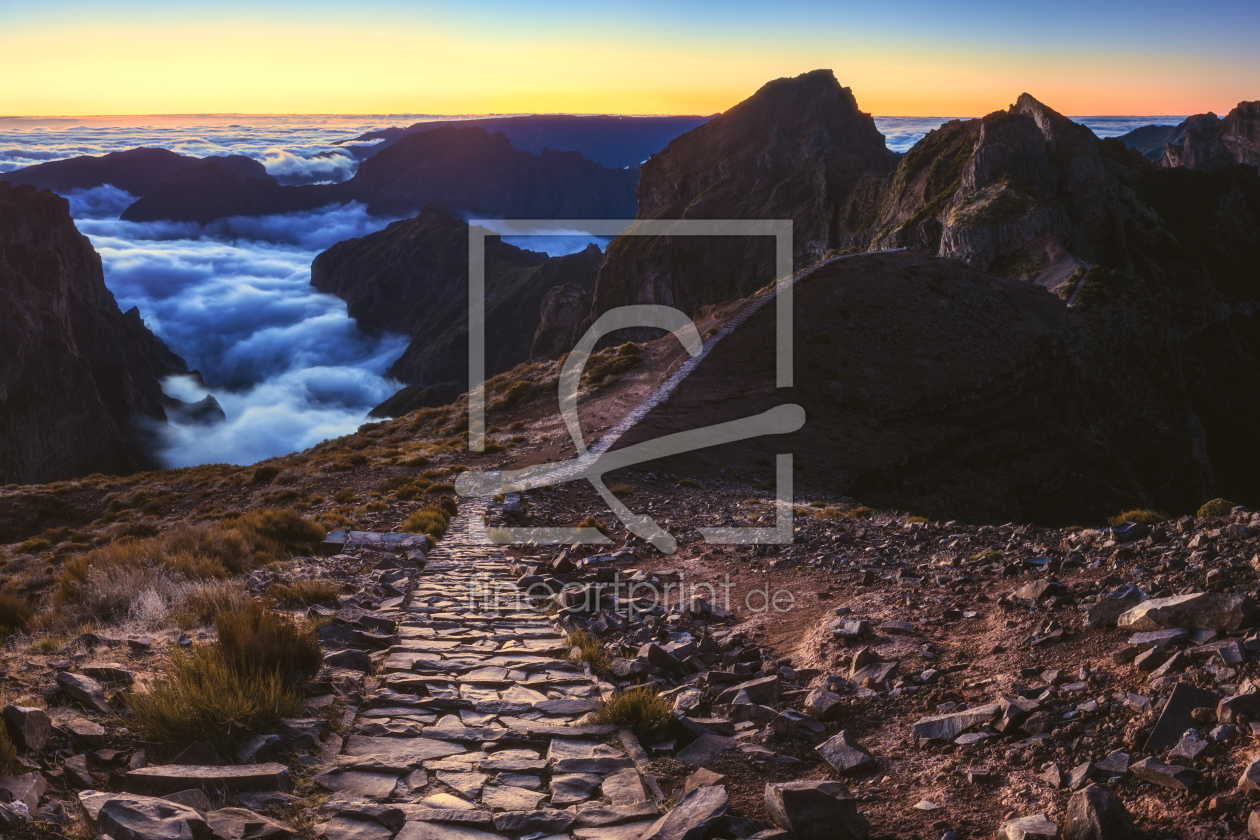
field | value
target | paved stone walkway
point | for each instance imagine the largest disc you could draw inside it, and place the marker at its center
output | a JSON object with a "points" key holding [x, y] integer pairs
{"points": [[475, 730]]}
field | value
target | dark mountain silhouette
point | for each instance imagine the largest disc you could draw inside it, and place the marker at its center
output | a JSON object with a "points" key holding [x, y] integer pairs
{"points": [[78, 377], [469, 170], [412, 277], [136, 171], [616, 142]]}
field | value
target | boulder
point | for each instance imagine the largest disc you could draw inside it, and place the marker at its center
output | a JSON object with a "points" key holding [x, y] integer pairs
{"points": [[84, 690], [692, 817], [950, 726], [1113, 605], [354, 660], [26, 788], [816, 810], [29, 727], [1096, 813], [1202, 610], [146, 818], [85, 733], [844, 753], [823, 704]]}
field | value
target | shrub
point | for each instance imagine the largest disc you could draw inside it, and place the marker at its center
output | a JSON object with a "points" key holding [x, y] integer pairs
{"points": [[430, 519], [201, 602], [689, 482], [256, 640], [35, 545], [621, 490], [264, 475], [344, 496], [1216, 507], [15, 611], [440, 487], [1141, 516], [587, 648], [9, 764], [204, 698], [861, 512], [305, 591], [592, 522], [608, 362], [642, 710]]}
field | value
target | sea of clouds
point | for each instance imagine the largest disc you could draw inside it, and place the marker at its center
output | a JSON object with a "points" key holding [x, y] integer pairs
{"points": [[233, 298], [286, 363]]}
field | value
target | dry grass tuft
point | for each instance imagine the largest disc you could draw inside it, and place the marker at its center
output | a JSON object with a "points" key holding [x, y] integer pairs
{"points": [[642, 710], [305, 592], [256, 640], [16, 612], [1141, 516], [204, 698], [587, 648], [1216, 507]]}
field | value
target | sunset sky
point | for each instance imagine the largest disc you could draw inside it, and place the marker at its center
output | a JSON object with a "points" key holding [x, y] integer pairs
{"points": [[917, 58]]}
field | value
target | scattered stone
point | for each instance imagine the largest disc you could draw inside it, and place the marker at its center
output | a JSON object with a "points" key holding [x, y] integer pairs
{"points": [[823, 704], [1176, 717], [145, 818], [1096, 813], [1038, 827], [844, 753], [354, 660], [29, 727], [816, 810], [693, 816], [1206, 610], [86, 691], [243, 824], [1172, 776], [26, 788], [198, 753], [705, 750], [702, 778], [1112, 605], [86, 733], [949, 726]]}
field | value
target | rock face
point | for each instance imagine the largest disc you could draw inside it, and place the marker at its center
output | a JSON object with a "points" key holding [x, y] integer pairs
{"points": [[412, 278], [797, 149], [473, 172], [1207, 143], [78, 377]]}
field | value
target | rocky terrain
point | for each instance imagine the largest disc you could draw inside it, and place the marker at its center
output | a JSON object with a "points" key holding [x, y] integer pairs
{"points": [[1203, 141], [78, 377], [136, 171], [412, 277]]}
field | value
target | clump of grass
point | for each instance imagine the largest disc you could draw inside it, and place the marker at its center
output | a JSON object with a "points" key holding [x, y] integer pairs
{"points": [[592, 522], [203, 697], [256, 640], [9, 764], [587, 648], [305, 592], [829, 513], [35, 545], [344, 496], [16, 611], [689, 482], [440, 487], [920, 520], [860, 512], [264, 475], [48, 645], [1141, 516], [1216, 507], [100, 584], [201, 602], [430, 519], [610, 362], [642, 710], [622, 490]]}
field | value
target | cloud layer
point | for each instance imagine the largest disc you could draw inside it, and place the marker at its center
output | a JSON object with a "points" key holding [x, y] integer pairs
{"points": [[288, 365]]}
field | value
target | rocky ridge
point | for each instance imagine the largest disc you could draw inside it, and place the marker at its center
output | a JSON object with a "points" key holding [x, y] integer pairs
{"points": [[79, 379]]}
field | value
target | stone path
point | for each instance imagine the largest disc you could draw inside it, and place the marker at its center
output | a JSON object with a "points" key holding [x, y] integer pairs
{"points": [[476, 729]]}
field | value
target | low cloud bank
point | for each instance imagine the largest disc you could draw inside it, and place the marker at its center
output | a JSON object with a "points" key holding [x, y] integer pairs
{"points": [[286, 363]]}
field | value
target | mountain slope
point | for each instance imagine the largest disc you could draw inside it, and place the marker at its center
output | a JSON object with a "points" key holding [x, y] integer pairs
{"points": [[412, 277], [78, 377], [797, 149]]}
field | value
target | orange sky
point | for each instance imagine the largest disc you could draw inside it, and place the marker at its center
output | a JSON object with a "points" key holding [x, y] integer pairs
{"points": [[147, 64]]}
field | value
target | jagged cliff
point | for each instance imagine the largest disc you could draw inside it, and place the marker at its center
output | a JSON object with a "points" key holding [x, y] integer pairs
{"points": [[78, 377], [412, 277], [1203, 141], [797, 149]]}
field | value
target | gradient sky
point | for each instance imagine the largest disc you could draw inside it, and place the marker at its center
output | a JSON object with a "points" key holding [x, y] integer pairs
{"points": [[915, 58]]}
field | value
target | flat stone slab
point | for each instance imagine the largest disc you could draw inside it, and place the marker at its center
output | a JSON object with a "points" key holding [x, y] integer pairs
{"points": [[171, 778], [409, 751]]}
